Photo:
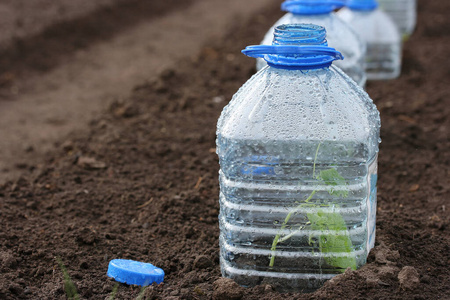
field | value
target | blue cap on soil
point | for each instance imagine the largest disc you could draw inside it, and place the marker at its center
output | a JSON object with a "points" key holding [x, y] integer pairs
{"points": [[134, 272]]}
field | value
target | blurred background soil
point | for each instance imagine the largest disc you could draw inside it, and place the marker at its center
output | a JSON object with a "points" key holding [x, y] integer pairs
{"points": [[22, 18], [108, 151], [55, 81]]}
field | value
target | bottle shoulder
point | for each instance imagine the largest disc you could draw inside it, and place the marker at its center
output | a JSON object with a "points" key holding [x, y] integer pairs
{"points": [[285, 104], [371, 26]]}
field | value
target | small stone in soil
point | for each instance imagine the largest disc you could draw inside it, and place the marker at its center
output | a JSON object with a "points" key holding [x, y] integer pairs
{"points": [[225, 288], [67, 146], [8, 260], [90, 163], [268, 288], [86, 236], [408, 277]]}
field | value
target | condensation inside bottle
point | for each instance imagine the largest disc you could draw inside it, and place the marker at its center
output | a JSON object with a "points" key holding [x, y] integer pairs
{"points": [[281, 129]]}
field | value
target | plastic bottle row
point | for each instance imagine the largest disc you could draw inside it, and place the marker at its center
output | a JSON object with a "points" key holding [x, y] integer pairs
{"points": [[298, 147], [366, 35]]}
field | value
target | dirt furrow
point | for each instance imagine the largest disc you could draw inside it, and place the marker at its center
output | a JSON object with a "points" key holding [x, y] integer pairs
{"points": [[41, 108]]}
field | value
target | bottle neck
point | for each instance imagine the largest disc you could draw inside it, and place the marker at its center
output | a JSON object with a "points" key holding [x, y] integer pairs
{"points": [[297, 47], [307, 34]]}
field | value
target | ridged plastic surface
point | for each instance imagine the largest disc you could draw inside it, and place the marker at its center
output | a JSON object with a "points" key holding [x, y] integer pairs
{"points": [[339, 36], [282, 131], [383, 41]]}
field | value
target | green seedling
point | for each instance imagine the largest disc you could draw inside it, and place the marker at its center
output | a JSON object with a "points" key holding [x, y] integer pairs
{"points": [[331, 242], [114, 292], [69, 286], [142, 293], [329, 223]]}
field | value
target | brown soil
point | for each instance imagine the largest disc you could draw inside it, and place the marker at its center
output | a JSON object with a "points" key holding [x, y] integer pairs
{"points": [[141, 183], [57, 81], [22, 18]]}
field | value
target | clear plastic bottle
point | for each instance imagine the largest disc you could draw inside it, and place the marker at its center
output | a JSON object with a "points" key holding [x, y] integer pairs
{"points": [[403, 13], [339, 35], [383, 40], [297, 147]]}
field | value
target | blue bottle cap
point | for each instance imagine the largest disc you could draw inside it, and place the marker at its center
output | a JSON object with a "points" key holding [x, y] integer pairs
{"points": [[311, 7], [366, 5], [298, 47], [134, 272], [294, 57]]}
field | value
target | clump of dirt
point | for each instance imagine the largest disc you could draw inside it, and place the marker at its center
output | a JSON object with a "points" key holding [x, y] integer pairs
{"points": [[409, 278], [154, 197], [225, 288]]}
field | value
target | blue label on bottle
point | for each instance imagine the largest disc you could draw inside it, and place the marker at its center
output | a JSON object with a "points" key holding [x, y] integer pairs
{"points": [[372, 203], [259, 165]]}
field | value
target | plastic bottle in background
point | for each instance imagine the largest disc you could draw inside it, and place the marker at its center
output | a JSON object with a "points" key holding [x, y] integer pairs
{"points": [[297, 147], [339, 35], [403, 13], [383, 40]]}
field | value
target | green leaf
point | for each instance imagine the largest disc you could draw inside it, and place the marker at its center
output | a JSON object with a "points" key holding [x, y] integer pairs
{"points": [[336, 240], [334, 236], [69, 286], [331, 177]]}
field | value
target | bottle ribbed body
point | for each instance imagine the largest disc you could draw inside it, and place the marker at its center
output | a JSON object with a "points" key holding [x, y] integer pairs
{"points": [[283, 220], [383, 41], [403, 13], [339, 36]]}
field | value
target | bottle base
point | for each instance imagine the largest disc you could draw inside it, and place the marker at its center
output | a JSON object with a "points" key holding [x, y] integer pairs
{"points": [[281, 282]]}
